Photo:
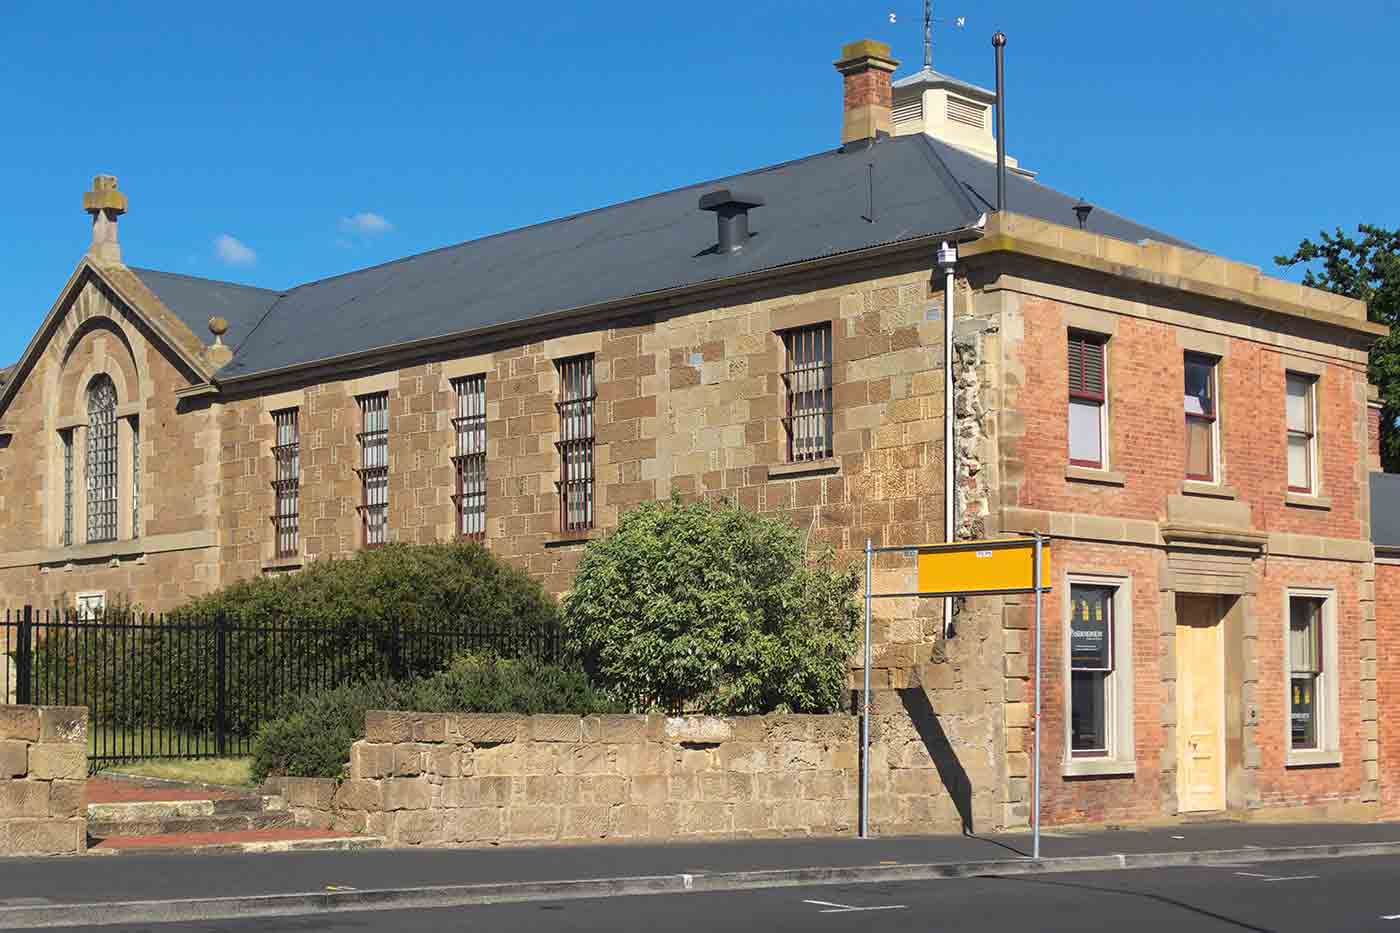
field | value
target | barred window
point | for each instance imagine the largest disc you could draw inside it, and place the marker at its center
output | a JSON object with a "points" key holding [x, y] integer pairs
{"points": [[135, 478], [575, 405], [470, 459], [102, 460], [286, 487], [807, 377], [67, 438], [374, 468]]}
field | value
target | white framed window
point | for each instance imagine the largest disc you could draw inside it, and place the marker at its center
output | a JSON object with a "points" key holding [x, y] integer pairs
{"points": [[1301, 417], [1088, 400], [1098, 674], [1202, 419], [1311, 686]]}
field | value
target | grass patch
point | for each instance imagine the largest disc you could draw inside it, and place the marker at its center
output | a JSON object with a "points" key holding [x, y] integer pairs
{"points": [[235, 772]]}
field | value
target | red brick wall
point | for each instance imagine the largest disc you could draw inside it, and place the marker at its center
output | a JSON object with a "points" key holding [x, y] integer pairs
{"points": [[1105, 799], [1147, 429], [1388, 684]]}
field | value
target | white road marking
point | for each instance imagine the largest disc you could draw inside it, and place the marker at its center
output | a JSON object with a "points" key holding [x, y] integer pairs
{"points": [[1267, 878], [847, 909], [1390, 916], [1250, 874], [1293, 878]]}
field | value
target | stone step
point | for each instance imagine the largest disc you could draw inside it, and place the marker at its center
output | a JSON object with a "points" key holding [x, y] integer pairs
{"points": [[192, 824], [288, 839], [144, 811]]}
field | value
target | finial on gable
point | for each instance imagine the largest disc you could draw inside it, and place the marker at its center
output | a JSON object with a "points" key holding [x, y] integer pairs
{"points": [[105, 203]]}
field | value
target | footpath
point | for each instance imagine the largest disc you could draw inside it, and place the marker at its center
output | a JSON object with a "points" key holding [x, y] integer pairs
{"points": [[160, 886]]}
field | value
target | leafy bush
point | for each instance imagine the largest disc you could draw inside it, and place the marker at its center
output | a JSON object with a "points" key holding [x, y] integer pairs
{"points": [[707, 607], [396, 612], [313, 738]]}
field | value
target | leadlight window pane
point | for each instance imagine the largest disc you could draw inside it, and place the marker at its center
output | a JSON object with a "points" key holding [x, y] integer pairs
{"points": [[374, 468], [102, 460], [470, 459], [807, 377], [135, 478], [286, 485], [67, 438], [576, 438]]}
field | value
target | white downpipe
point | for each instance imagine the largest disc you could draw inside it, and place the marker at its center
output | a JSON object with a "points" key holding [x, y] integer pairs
{"points": [[947, 260]]}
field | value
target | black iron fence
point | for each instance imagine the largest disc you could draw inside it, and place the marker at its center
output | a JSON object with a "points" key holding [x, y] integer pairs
{"points": [[168, 686]]}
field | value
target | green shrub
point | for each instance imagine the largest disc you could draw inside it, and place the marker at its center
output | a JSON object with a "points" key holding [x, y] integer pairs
{"points": [[707, 607], [381, 613], [313, 737]]}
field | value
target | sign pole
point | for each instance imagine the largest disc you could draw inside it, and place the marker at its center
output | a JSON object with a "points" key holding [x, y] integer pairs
{"points": [[1035, 764], [865, 708]]}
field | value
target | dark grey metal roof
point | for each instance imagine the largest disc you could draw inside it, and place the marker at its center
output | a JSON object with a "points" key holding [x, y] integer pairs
{"points": [[815, 207], [194, 301], [1385, 509]]}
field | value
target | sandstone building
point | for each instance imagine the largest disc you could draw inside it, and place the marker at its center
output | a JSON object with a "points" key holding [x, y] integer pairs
{"points": [[1196, 438]]}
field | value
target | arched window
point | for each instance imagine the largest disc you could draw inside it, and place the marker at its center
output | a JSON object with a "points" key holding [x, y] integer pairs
{"points": [[102, 460]]}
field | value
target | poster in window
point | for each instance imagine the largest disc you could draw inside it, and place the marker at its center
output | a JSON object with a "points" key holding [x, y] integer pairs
{"points": [[1303, 712], [1090, 629]]}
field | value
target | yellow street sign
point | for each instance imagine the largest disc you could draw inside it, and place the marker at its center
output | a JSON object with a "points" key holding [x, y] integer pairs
{"points": [[982, 568]]}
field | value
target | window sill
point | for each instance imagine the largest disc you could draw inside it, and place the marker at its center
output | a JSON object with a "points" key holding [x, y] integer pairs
{"points": [[1079, 474], [1099, 767], [1313, 759], [805, 468], [573, 539], [1301, 500], [282, 564], [1193, 487]]}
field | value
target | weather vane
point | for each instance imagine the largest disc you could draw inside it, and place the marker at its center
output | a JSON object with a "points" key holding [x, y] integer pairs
{"points": [[958, 22]]}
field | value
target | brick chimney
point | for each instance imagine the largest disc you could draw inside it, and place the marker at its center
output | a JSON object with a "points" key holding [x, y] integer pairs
{"points": [[105, 203], [866, 67]]}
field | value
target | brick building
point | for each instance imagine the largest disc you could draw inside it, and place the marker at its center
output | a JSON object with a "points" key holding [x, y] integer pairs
{"points": [[777, 337]]}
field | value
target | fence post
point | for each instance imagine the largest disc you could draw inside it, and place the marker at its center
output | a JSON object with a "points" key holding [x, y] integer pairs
{"points": [[220, 684], [24, 658]]}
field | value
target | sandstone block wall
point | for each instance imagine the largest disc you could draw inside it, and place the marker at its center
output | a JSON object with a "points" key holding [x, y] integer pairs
{"points": [[451, 779], [43, 773]]}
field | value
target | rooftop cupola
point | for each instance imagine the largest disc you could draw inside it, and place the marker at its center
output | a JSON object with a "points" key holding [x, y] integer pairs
{"points": [[105, 203], [951, 111]]}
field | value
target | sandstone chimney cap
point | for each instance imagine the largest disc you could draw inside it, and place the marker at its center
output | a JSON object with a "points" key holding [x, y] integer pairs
{"points": [[865, 53], [218, 327], [104, 196]]}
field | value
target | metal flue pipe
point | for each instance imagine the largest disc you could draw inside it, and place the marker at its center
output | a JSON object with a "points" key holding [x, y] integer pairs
{"points": [[999, 43]]}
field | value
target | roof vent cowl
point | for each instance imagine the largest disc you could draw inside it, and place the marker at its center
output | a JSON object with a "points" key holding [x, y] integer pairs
{"points": [[732, 214]]}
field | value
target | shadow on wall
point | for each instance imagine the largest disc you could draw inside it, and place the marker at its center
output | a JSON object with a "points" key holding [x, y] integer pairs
{"points": [[935, 740]]}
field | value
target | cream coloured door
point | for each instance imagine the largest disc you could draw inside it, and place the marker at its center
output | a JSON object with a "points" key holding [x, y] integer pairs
{"points": [[1200, 705]]}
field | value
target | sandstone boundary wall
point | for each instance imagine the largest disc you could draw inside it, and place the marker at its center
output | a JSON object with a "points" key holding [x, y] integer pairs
{"points": [[43, 773], [461, 779]]}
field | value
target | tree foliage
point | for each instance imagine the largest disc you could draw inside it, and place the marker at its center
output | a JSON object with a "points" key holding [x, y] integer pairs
{"points": [[707, 607], [1365, 267]]}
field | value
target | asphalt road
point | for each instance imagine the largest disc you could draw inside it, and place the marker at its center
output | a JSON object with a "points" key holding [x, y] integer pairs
{"points": [[1323, 895]]}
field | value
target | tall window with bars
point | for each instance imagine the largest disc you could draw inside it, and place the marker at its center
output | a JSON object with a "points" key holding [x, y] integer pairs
{"points": [[102, 460], [286, 484], [575, 406], [1302, 433], [1087, 411], [67, 439], [470, 460], [807, 378], [374, 468], [135, 478]]}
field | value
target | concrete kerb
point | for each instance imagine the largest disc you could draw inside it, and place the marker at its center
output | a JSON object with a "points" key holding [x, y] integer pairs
{"points": [[229, 908]]}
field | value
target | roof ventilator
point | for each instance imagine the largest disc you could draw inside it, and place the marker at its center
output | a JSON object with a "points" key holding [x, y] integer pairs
{"points": [[732, 213]]}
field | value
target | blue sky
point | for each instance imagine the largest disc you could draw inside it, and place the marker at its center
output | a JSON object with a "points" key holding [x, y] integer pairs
{"points": [[276, 143]]}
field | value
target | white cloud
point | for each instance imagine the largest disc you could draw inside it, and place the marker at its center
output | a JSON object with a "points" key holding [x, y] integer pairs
{"points": [[366, 223], [232, 252]]}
